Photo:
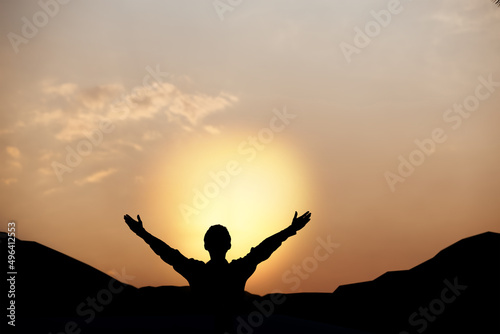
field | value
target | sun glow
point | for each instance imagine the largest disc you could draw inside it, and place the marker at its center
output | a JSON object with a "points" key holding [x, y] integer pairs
{"points": [[212, 182]]}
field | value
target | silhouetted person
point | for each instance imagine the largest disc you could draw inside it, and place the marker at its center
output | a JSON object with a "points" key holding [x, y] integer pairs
{"points": [[218, 286]]}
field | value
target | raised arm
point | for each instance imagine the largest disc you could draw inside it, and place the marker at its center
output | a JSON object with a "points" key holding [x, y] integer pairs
{"points": [[167, 253], [264, 250]]}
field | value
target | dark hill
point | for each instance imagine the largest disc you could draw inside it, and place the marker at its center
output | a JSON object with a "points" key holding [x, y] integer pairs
{"points": [[459, 287], [53, 288], [58, 294]]}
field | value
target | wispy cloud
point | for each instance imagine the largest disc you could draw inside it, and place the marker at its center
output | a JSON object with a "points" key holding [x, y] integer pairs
{"points": [[8, 181], [52, 191], [6, 131], [85, 107], [48, 117], [14, 154], [135, 146], [66, 90], [151, 135], [98, 97], [13, 151], [166, 97], [96, 177], [464, 18], [194, 107], [211, 129]]}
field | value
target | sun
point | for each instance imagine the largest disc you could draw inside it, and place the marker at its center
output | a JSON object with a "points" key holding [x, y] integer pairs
{"points": [[212, 182]]}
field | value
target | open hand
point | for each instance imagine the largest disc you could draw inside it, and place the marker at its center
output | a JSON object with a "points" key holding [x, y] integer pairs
{"points": [[135, 225], [300, 222]]}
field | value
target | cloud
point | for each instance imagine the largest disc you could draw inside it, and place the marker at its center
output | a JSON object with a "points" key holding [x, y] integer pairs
{"points": [[78, 127], [8, 181], [95, 97], [151, 135], [48, 117], [66, 90], [99, 97], [51, 191], [195, 107], [135, 146], [469, 16], [86, 107], [15, 164], [96, 177], [139, 179], [211, 129], [47, 155], [13, 152], [45, 171], [146, 102]]}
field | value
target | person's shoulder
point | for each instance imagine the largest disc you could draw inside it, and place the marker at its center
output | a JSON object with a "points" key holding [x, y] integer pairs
{"points": [[244, 265], [189, 264], [189, 261], [238, 264], [196, 262], [241, 261], [186, 259]]}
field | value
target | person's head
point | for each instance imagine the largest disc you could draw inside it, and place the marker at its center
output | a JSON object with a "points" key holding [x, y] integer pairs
{"points": [[217, 240]]}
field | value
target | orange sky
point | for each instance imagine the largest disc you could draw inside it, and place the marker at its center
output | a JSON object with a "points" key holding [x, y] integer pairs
{"points": [[380, 119]]}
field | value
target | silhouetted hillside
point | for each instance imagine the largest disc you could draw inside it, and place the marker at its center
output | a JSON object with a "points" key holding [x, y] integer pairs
{"points": [[460, 287], [53, 288], [58, 294]]}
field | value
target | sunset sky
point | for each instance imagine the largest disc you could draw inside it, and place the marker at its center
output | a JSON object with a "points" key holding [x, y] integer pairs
{"points": [[379, 117]]}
